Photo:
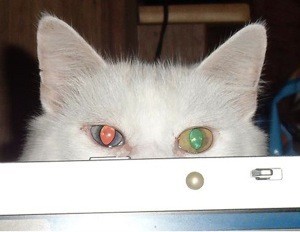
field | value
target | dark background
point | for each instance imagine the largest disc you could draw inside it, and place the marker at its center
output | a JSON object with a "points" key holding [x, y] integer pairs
{"points": [[112, 27]]}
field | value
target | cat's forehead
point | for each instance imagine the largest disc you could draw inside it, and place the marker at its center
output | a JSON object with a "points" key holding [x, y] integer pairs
{"points": [[134, 80], [136, 72], [159, 93], [159, 78]]}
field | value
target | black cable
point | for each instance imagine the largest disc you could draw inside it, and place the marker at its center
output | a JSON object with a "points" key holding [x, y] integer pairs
{"points": [[163, 30]]}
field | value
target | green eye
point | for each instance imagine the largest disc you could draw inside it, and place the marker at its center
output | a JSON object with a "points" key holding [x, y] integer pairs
{"points": [[195, 140]]}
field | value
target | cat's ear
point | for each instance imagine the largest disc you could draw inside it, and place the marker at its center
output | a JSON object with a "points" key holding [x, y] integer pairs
{"points": [[238, 63], [63, 55]]}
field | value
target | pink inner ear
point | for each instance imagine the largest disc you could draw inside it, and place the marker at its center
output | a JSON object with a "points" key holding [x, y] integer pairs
{"points": [[240, 58], [63, 55], [50, 99]]}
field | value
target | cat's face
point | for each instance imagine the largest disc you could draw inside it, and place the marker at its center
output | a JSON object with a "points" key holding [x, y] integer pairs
{"points": [[94, 108]]}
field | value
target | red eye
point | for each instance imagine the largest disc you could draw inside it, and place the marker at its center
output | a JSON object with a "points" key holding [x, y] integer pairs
{"points": [[107, 136]]}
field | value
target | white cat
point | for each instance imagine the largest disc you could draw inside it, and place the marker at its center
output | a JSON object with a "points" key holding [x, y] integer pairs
{"points": [[97, 108]]}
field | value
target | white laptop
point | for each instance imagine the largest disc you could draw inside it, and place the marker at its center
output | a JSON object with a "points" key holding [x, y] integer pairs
{"points": [[34, 192]]}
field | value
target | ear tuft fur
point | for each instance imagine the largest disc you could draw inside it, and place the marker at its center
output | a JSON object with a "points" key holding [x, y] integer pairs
{"points": [[63, 54], [238, 63]]}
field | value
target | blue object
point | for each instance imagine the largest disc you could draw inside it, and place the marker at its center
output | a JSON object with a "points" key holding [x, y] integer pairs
{"points": [[276, 128], [168, 221]]}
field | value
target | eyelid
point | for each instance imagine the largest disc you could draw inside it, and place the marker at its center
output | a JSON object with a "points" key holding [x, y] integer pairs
{"points": [[211, 129]]}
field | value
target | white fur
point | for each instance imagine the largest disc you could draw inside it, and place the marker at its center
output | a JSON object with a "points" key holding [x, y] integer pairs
{"points": [[151, 104]]}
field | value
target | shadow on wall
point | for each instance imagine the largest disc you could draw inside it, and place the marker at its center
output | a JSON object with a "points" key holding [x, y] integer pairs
{"points": [[21, 75]]}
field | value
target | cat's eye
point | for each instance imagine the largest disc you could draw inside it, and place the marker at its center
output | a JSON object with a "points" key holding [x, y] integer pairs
{"points": [[107, 136], [195, 140]]}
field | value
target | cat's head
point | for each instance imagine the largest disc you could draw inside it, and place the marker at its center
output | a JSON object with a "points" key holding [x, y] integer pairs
{"points": [[95, 108]]}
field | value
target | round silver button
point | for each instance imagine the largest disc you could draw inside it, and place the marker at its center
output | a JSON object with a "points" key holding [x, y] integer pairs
{"points": [[194, 180]]}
